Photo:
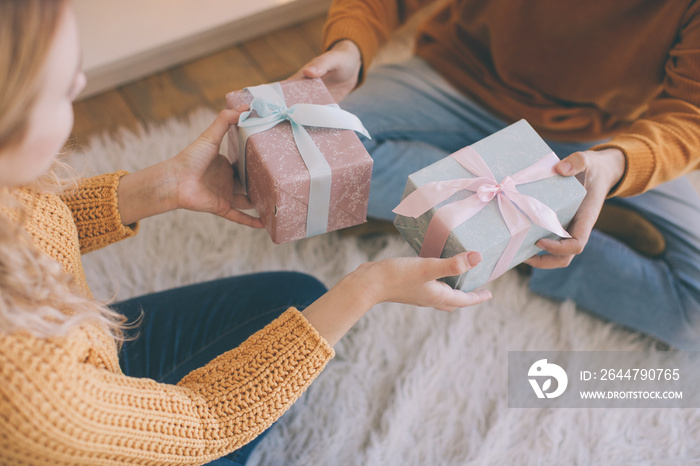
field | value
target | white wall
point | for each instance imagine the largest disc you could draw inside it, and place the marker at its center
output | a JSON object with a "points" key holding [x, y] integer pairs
{"points": [[127, 39]]}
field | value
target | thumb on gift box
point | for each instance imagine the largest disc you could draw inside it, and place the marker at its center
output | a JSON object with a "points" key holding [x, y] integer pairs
{"points": [[571, 165]]}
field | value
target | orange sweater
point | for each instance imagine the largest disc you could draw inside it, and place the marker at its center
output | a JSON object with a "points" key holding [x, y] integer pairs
{"points": [[65, 401], [577, 71]]}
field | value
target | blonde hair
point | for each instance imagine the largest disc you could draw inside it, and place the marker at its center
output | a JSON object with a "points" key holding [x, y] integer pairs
{"points": [[36, 294]]}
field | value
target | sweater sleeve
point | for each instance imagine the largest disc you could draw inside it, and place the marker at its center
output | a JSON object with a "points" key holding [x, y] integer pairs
{"points": [[368, 23], [663, 144], [58, 411], [95, 210]]}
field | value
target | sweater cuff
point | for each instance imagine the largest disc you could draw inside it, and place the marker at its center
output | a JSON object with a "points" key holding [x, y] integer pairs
{"points": [[639, 165], [358, 33], [95, 209], [298, 324]]}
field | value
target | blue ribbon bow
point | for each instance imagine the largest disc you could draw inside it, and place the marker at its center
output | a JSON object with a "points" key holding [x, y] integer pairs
{"points": [[271, 109]]}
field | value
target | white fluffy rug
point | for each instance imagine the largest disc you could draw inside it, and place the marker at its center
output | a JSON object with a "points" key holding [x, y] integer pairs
{"points": [[408, 386]]}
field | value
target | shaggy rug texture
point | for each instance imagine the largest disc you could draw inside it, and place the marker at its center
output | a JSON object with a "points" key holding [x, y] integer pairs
{"points": [[409, 386]]}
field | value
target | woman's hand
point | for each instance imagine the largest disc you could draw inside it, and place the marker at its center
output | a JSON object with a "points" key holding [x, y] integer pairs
{"points": [[413, 280], [599, 172], [205, 178], [339, 68], [198, 178], [403, 280]]}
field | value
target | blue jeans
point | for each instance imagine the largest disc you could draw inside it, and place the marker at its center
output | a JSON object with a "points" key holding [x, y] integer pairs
{"points": [[185, 328], [415, 118]]}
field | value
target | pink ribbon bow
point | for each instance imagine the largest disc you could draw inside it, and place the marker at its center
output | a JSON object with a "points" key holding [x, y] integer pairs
{"points": [[515, 207]]}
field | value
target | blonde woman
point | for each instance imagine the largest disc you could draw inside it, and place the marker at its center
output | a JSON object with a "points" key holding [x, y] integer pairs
{"points": [[214, 364]]}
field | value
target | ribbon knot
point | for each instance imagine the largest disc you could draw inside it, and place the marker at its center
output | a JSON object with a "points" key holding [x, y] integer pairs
{"points": [[488, 191], [267, 110], [515, 207]]}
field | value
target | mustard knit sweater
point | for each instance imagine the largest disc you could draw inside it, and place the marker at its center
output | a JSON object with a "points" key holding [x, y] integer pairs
{"points": [[65, 401], [576, 70]]}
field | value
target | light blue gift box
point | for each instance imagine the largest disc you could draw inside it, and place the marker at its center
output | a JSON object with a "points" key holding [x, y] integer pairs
{"points": [[506, 152]]}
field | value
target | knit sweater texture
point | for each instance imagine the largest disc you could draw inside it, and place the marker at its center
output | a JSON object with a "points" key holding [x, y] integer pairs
{"points": [[625, 72], [65, 401]]}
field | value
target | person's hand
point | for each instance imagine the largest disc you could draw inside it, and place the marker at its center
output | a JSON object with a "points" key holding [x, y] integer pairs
{"points": [[599, 171], [339, 68], [401, 280], [205, 179], [414, 281]]}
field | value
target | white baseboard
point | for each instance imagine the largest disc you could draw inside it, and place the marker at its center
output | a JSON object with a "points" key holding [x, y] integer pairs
{"points": [[128, 39]]}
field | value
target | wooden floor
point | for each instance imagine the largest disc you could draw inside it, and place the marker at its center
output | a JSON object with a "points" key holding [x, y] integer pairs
{"points": [[200, 83]]}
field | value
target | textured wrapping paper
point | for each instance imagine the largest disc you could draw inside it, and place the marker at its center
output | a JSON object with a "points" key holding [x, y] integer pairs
{"points": [[278, 180], [506, 153]]}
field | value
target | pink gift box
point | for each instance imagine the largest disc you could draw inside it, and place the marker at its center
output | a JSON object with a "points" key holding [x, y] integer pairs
{"points": [[278, 180]]}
